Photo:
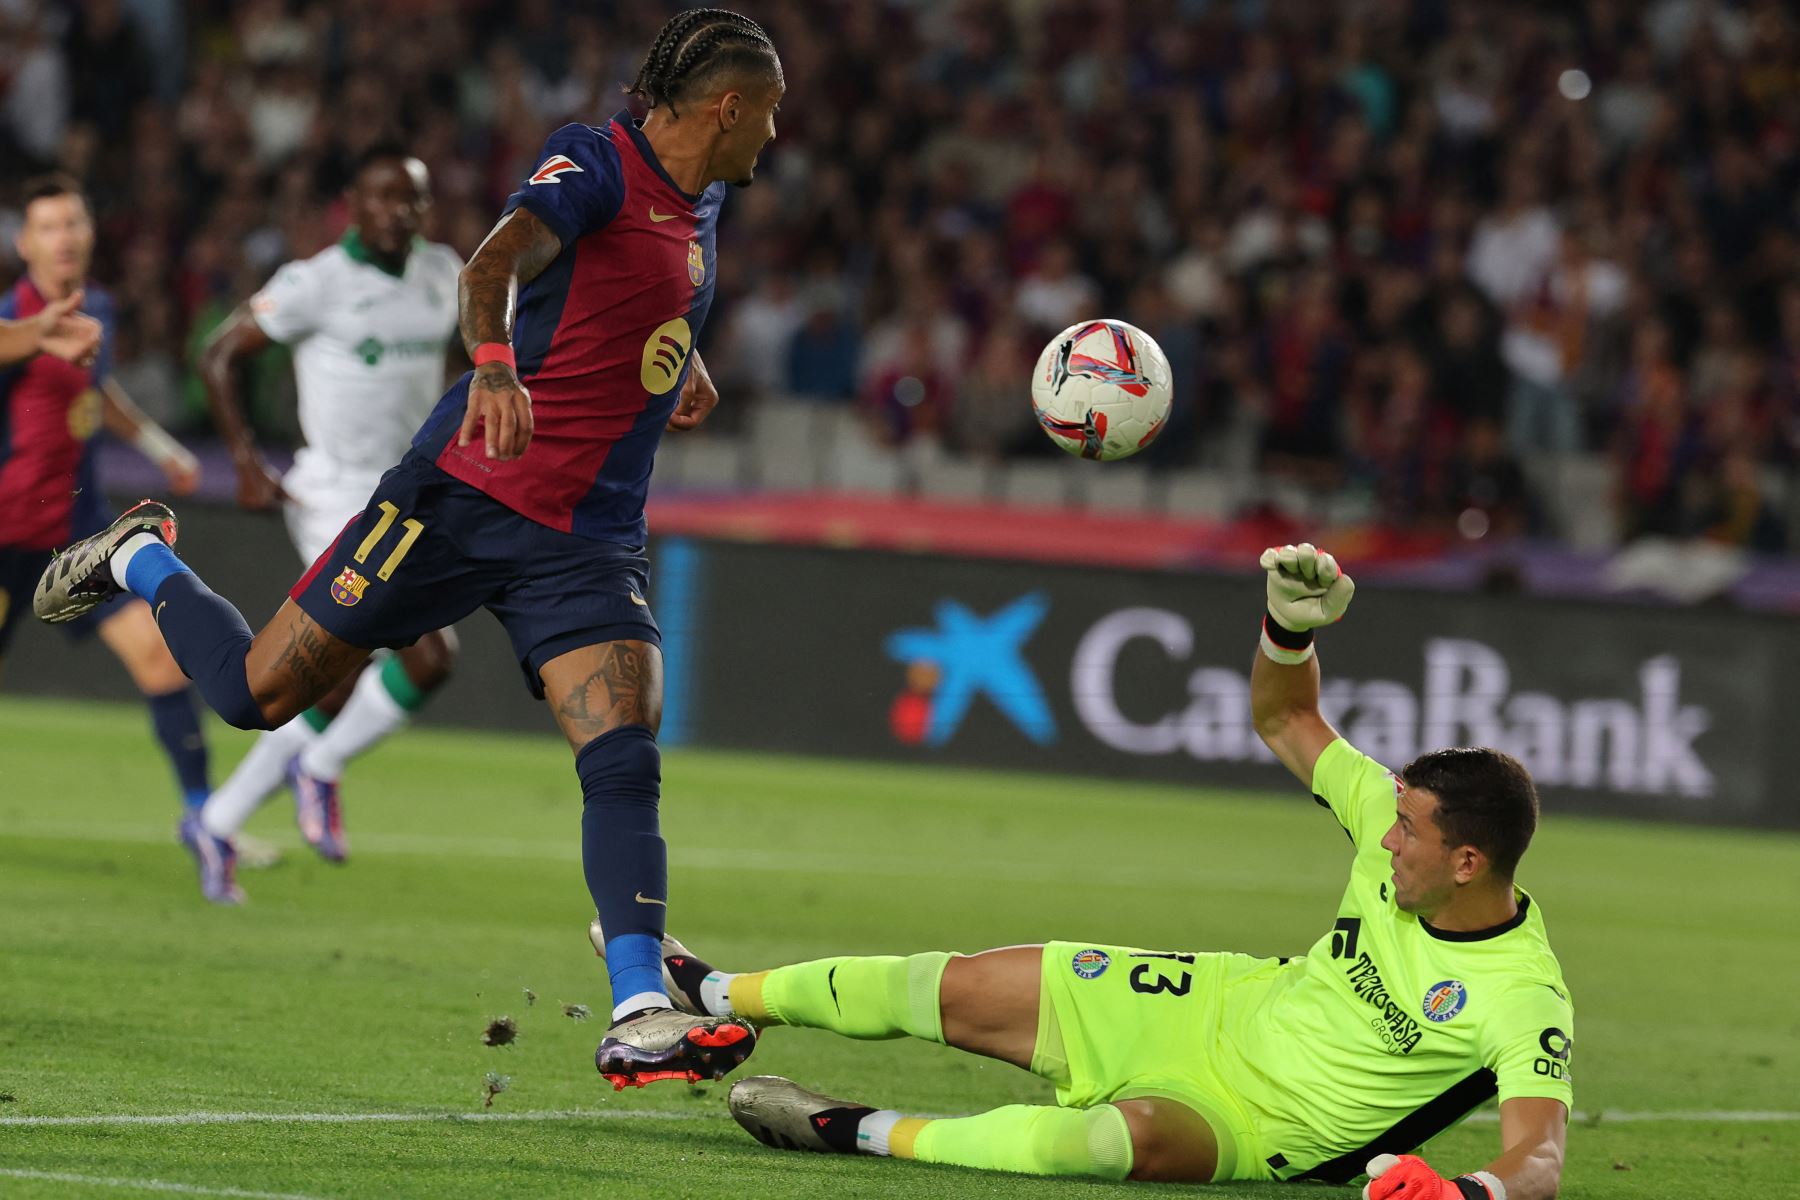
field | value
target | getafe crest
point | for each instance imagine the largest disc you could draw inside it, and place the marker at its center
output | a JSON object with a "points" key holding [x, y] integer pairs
{"points": [[347, 589], [696, 264]]}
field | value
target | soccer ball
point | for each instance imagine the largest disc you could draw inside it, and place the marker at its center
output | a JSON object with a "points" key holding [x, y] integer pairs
{"points": [[1101, 389]]}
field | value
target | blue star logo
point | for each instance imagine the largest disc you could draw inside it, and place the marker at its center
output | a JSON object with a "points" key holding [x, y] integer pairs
{"points": [[980, 656]]}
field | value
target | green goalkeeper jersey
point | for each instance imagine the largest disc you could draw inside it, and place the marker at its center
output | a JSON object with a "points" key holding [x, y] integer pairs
{"points": [[1390, 1031]]}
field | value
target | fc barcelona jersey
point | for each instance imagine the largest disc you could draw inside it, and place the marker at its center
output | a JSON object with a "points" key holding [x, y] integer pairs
{"points": [[603, 337]]}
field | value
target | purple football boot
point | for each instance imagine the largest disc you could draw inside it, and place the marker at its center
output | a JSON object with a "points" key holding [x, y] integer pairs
{"points": [[318, 813], [216, 859]]}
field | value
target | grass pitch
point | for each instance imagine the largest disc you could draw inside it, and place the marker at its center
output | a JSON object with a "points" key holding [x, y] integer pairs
{"points": [[332, 1029]]}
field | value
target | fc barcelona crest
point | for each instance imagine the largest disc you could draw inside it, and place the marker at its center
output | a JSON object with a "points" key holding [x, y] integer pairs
{"points": [[696, 264], [347, 589]]}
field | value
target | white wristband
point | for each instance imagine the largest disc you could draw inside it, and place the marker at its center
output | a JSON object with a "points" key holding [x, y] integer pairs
{"points": [[1490, 1181], [156, 445], [1287, 658]]}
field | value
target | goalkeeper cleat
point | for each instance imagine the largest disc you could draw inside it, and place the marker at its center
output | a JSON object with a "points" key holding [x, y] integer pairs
{"points": [[660, 1043], [318, 813], [781, 1114], [216, 859], [681, 971], [80, 578]]}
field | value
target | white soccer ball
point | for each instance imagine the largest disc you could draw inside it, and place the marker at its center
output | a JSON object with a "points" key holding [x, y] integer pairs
{"points": [[1102, 389]]}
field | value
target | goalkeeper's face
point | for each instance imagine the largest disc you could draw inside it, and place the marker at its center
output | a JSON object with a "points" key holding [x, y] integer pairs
{"points": [[1427, 869]]}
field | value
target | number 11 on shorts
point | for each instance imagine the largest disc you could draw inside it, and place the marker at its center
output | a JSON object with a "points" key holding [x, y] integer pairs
{"points": [[388, 516]]}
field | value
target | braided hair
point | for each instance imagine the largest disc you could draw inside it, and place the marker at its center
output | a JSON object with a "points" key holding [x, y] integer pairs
{"points": [[694, 48]]}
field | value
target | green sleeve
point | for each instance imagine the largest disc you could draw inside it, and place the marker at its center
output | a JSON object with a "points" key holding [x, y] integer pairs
{"points": [[1528, 1044], [1359, 791]]}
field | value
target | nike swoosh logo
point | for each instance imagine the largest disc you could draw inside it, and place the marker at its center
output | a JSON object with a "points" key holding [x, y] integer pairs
{"points": [[659, 218], [643, 899], [158, 613], [635, 599]]}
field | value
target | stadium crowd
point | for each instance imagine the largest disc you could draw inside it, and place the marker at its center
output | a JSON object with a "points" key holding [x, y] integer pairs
{"points": [[1402, 245]]}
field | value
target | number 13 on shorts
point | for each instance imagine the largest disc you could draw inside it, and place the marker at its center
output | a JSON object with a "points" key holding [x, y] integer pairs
{"points": [[389, 514]]}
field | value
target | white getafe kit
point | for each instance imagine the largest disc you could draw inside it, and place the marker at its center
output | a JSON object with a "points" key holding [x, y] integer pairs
{"points": [[369, 364]]}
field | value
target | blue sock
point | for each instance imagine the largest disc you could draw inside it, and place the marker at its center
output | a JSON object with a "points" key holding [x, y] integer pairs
{"points": [[207, 636], [623, 854], [149, 567], [177, 727]]}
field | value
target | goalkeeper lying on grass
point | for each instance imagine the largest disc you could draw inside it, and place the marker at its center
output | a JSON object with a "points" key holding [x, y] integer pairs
{"points": [[1434, 990]]}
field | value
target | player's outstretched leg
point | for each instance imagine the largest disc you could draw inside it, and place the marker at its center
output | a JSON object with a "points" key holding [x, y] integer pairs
{"points": [[984, 1003], [1031, 1139], [607, 699], [253, 682]]}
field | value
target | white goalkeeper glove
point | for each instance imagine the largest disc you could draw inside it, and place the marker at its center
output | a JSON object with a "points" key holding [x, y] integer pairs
{"points": [[1307, 589]]}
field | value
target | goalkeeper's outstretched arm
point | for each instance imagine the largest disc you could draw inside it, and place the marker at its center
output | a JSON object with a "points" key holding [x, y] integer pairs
{"points": [[1306, 589]]}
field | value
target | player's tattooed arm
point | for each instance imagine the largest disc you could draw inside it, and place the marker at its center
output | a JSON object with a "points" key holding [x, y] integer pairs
{"points": [[515, 252], [238, 339]]}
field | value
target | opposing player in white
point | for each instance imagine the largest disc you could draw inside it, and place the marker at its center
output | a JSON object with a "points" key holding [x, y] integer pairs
{"points": [[371, 322]]}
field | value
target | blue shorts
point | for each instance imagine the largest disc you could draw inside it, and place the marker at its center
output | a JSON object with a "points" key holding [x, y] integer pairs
{"points": [[429, 550]]}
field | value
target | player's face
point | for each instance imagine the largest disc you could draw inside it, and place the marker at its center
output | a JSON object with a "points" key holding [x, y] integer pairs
{"points": [[56, 241], [388, 203], [1424, 866], [754, 128]]}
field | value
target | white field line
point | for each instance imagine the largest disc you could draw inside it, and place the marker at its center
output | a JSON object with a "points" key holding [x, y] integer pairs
{"points": [[1486, 1117], [721, 858], [353, 1118], [145, 1185]]}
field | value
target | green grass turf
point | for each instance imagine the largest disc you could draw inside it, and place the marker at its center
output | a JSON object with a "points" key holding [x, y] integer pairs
{"points": [[365, 989]]}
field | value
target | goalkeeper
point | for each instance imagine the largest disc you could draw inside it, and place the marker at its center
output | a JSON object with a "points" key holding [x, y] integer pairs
{"points": [[1434, 990]]}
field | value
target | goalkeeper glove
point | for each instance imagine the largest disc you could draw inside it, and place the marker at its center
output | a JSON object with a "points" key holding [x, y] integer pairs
{"points": [[1409, 1177], [1306, 589]]}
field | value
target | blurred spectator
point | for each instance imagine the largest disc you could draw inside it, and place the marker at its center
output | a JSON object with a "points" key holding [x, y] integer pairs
{"points": [[992, 417], [757, 336], [34, 85], [821, 356], [1056, 294]]}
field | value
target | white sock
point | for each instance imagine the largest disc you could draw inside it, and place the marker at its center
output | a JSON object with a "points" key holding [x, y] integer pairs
{"points": [[255, 778], [642, 1000], [873, 1130], [370, 715], [715, 994], [121, 558]]}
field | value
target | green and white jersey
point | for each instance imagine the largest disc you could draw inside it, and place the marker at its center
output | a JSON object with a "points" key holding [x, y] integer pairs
{"points": [[1390, 1031], [368, 349]]}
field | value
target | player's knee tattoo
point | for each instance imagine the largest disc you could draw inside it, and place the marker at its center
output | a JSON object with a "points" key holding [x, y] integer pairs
{"points": [[619, 691]]}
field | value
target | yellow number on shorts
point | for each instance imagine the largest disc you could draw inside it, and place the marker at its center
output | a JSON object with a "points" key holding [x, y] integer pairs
{"points": [[388, 515]]}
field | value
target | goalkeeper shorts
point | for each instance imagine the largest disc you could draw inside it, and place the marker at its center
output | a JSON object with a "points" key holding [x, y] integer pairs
{"points": [[1116, 1023]]}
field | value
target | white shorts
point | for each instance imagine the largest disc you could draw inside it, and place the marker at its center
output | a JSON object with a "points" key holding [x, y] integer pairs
{"points": [[322, 498]]}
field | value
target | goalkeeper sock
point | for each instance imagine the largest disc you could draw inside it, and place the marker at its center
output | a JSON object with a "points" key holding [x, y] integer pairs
{"points": [[870, 998], [1031, 1139]]}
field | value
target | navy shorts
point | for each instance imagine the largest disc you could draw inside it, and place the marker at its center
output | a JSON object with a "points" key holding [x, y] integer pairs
{"points": [[429, 550]]}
